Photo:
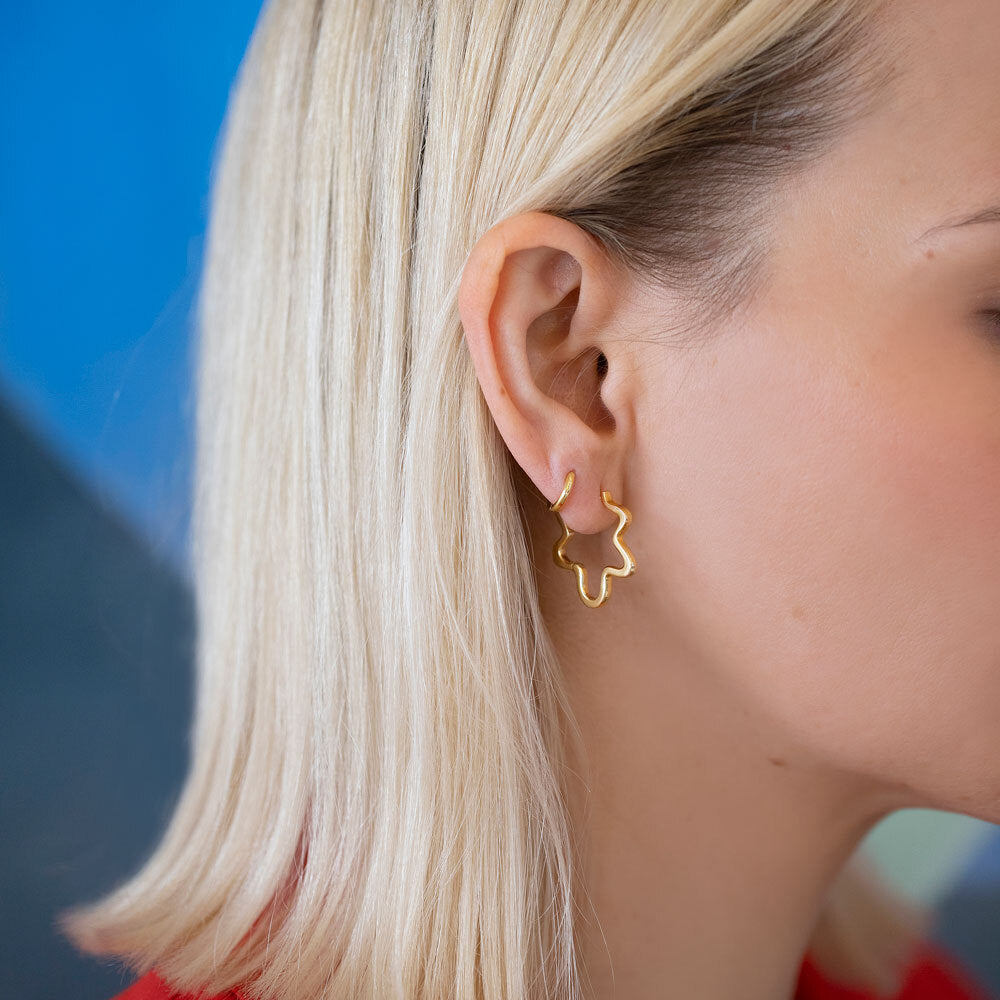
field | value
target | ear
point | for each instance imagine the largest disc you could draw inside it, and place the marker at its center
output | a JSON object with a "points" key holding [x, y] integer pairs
{"points": [[538, 301]]}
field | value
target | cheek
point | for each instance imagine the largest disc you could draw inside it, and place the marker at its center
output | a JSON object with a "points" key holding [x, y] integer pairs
{"points": [[836, 547], [928, 491]]}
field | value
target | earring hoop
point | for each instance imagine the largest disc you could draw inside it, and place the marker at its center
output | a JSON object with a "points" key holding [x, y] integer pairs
{"points": [[559, 554]]}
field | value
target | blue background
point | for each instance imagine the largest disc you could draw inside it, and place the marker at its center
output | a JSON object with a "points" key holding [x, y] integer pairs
{"points": [[109, 122], [109, 119]]}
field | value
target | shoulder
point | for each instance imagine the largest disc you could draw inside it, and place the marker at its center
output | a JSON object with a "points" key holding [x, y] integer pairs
{"points": [[152, 987], [934, 974]]}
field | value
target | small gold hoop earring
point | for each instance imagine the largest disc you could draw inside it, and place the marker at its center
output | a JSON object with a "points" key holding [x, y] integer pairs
{"points": [[559, 554]]}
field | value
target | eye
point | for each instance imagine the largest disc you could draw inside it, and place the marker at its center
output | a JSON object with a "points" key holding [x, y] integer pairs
{"points": [[992, 318]]}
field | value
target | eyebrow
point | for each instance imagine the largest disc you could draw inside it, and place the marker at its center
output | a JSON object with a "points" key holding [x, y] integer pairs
{"points": [[991, 213]]}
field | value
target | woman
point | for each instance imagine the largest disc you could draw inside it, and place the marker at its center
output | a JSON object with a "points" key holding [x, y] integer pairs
{"points": [[706, 293]]}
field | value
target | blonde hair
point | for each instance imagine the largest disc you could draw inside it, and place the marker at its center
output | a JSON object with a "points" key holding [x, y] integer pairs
{"points": [[375, 803]]}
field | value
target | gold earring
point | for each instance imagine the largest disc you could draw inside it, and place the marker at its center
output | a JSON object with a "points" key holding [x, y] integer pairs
{"points": [[558, 553]]}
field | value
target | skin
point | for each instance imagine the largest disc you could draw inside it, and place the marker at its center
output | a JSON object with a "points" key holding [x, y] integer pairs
{"points": [[812, 636]]}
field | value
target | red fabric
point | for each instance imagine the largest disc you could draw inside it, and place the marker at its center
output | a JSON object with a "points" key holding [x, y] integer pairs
{"points": [[152, 987], [934, 975]]}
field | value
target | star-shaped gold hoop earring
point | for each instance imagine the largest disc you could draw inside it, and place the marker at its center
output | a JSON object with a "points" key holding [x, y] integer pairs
{"points": [[559, 553]]}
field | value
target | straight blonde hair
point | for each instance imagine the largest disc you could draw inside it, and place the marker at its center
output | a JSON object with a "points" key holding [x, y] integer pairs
{"points": [[375, 802]]}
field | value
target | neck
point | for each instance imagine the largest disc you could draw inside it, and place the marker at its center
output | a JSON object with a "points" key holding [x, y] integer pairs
{"points": [[708, 838]]}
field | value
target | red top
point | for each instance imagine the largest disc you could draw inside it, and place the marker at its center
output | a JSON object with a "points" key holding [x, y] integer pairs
{"points": [[933, 975]]}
